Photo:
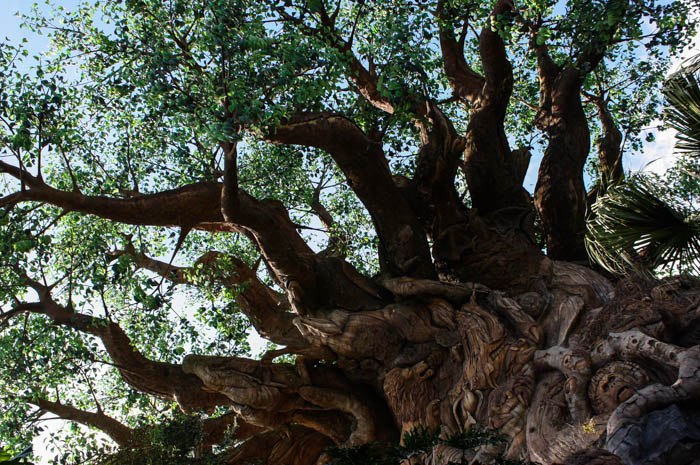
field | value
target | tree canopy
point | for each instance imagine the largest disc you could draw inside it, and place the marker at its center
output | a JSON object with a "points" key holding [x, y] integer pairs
{"points": [[176, 174]]}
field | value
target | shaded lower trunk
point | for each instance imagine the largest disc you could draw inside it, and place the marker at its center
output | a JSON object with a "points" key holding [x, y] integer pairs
{"points": [[569, 364]]}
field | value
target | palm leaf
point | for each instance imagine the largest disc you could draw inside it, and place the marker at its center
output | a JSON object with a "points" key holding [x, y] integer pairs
{"points": [[634, 228], [682, 92]]}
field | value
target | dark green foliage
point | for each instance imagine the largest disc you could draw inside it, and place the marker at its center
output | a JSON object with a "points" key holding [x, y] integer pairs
{"points": [[8, 458], [176, 442], [642, 223], [682, 92], [635, 228]]}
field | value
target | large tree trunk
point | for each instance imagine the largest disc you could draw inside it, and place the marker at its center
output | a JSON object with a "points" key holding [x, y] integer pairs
{"points": [[567, 363], [575, 362]]}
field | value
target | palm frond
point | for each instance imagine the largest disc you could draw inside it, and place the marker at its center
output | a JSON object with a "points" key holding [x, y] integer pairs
{"points": [[634, 228], [682, 92]]}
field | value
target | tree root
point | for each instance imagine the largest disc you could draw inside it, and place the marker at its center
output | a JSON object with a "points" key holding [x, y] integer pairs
{"points": [[575, 364]]}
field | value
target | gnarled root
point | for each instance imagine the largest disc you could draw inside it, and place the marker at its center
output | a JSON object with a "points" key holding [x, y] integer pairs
{"points": [[575, 364], [655, 396]]}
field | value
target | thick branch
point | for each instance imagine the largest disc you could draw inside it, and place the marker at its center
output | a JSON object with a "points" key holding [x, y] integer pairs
{"points": [[498, 70], [466, 83], [495, 87], [120, 433], [404, 247], [230, 202], [609, 144], [560, 194], [199, 206], [494, 173], [157, 378], [436, 168], [189, 206], [266, 309], [214, 429]]}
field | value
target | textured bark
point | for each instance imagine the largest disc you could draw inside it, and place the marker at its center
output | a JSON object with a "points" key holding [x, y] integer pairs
{"points": [[558, 359], [560, 195], [468, 324], [311, 281], [404, 248], [609, 144], [495, 173]]}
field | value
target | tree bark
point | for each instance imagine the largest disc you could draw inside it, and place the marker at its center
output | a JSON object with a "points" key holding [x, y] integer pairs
{"points": [[560, 195], [468, 324]]}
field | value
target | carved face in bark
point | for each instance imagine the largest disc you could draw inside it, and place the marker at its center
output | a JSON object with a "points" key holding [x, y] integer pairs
{"points": [[615, 383]]}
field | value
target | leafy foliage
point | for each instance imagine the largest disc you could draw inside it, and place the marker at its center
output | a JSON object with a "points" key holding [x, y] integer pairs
{"points": [[641, 224], [635, 227], [173, 442], [8, 458], [682, 92]]}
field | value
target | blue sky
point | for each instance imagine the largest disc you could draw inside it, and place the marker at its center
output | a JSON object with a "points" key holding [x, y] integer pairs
{"points": [[10, 23]]}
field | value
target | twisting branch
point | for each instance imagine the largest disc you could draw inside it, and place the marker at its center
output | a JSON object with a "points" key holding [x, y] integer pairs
{"points": [[609, 144], [267, 310], [214, 429], [560, 194], [403, 244], [466, 83], [194, 204], [157, 378], [436, 168], [120, 433], [365, 79], [272, 395], [487, 153], [197, 205]]}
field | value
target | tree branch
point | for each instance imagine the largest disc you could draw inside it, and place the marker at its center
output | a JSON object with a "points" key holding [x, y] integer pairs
{"points": [[157, 378], [560, 195], [498, 70], [198, 205], [403, 245], [266, 309], [120, 433], [466, 83], [609, 144], [365, 80]]}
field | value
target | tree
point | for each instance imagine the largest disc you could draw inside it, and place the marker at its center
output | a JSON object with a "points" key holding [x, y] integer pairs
{"points": [[341, 176], [644, 223]]}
